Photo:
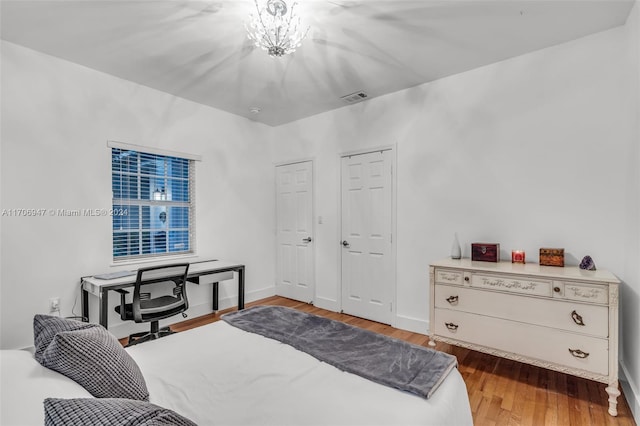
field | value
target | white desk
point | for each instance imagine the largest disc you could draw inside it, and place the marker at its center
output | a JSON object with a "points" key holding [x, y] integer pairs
{"points": [[219, 269]]}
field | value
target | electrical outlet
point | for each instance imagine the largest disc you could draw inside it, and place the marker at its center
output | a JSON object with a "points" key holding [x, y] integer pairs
{"points": [[54, 304]]}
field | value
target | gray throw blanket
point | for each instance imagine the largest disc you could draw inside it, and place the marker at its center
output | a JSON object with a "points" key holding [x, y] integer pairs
{"points": [[376, 357]]}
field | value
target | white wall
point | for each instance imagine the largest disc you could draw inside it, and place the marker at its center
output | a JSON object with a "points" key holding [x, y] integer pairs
{"points": [[535, 151], [56, 120], [630, 297]]}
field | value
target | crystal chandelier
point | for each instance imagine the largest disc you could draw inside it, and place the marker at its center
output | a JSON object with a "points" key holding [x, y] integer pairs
{"points": [[276, 28]]}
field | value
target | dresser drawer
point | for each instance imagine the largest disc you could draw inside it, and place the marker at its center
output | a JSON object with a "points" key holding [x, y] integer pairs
{"points": [[447, 276], [566, 315], [588, 293], [513, 284], [542, 343]]}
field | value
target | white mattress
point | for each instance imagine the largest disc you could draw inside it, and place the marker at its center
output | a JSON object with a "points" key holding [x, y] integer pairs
{"points": [[25, 384], [218, 374]]}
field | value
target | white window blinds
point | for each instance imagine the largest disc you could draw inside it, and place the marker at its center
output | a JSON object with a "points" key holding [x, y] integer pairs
{"points": [[153, 204]]}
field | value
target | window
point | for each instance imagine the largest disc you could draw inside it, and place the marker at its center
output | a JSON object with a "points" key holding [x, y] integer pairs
{"points": [[153, 204]]}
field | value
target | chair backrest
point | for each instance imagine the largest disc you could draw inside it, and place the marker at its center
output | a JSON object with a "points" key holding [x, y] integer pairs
{"points": [[146, 309]]}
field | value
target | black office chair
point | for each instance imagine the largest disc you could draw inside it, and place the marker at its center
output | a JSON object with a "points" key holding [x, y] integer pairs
{"points": [[143, 308]]}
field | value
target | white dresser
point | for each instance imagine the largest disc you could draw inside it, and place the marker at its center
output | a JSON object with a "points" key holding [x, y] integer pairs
{"points": [[560, 318]]}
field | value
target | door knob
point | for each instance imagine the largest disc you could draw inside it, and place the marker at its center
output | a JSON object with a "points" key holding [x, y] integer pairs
{"points": [[306, 240], [345, 243]]}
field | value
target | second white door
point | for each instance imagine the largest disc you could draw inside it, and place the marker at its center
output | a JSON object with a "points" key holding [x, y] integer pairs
{"points": [[295, 258], [368, 267]]}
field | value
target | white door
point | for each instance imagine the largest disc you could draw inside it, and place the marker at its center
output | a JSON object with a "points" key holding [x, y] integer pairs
{"points": [[295, 275], [368, 268]]}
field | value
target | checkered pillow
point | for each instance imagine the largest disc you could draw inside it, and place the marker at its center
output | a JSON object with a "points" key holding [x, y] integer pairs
{"points": [[93, 358], [45, 327], [109, 412]]}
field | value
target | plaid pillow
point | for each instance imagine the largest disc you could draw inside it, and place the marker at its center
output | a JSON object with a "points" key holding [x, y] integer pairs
{"points": [[45, 327], [93, 358], [109, 412]]}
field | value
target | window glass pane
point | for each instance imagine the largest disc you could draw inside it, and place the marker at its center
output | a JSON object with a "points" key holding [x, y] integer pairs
{"points": [[178, 241], [116, 185], [151, 165], [179, 217], [126, 244], [120, 245], [146, 243], [120, 213], [129, 221], [154, 217], [146, 217], [178, 190], [161, 217], [127, 161], [178, 167], [124, 161], [115, 159], [124, 186], [129, 187], [160, 242], [146, 188], [158, 189]]}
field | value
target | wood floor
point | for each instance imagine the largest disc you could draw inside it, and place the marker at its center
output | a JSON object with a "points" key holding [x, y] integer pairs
{"points": [[501, 392]]}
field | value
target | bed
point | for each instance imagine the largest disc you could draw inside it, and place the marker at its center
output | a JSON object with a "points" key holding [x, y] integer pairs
{"points": [[219, 374]]}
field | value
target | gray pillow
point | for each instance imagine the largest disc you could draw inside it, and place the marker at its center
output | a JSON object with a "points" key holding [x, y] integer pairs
{"points": [[45, 327], [94, 358], [109, 412]]}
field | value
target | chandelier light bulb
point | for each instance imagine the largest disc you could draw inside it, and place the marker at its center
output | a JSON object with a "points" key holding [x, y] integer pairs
{"points": [[276, 28]]}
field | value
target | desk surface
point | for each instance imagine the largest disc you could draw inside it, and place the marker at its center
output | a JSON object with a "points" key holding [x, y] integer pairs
{"points": [[92, 284]]}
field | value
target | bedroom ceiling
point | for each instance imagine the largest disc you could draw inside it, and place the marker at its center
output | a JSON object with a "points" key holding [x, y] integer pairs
{"points": [[198, 50]]}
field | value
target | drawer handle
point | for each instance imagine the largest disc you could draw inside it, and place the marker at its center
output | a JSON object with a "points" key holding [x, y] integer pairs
{"points": [[452, 299], [577, 318], [578, 353], [451, 326]]}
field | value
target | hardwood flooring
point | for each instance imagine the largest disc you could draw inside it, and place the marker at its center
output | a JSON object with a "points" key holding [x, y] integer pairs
{"points": [[501, 391]]}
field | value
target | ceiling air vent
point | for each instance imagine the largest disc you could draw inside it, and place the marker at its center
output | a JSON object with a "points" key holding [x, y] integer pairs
{"points": [[354, 97]]}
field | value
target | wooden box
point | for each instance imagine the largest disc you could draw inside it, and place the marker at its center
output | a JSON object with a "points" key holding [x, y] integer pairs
{"points": [[552, 256], [485, 252]]}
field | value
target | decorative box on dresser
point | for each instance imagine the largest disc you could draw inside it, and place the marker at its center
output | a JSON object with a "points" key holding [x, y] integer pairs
{"points": [[561, 318]]}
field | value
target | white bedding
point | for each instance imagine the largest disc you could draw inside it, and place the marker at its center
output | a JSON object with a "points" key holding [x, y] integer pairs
{"points": [[25, 384], [220, 375]]}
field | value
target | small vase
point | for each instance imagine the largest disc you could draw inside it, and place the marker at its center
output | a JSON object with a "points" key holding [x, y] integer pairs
{"points": [[456, 252]]}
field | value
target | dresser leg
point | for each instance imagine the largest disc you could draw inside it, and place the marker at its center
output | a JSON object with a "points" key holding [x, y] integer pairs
{"points": [[432, 342], [614, 393]]}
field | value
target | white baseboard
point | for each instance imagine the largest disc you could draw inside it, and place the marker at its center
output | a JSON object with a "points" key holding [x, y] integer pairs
{"points": [[414, 325], [402, 322], [328, 304], [251, 296], [631, 392]]}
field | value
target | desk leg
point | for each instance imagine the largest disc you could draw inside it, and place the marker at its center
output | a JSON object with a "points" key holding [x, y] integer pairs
{"points": [[104, 307], [241, 288], [215, 296], [84, 301]]}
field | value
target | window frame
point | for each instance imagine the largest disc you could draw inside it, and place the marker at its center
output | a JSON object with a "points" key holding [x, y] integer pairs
{"points": [[140, 238]]}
